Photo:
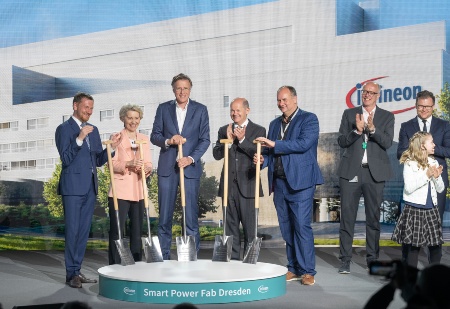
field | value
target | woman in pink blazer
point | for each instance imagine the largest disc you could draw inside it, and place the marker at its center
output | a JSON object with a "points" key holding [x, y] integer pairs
{"points": [[127, 167]]}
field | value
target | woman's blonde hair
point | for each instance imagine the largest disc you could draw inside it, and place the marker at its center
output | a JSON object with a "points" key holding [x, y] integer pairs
{"points": [[415, 151], [129, 107]]}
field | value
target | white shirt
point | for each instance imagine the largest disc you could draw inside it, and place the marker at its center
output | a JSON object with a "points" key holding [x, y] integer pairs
{"points": [[428, 121], [245, 124], [366, 138], [181, 115], [79, 142]]}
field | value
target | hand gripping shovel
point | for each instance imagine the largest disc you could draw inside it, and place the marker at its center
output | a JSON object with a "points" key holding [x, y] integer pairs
{"points": [[126, 257], [152, 249], [251, 256], [223, 244], [185, 244]]}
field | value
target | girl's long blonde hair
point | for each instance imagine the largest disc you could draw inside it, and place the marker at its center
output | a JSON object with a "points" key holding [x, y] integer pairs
{"points": [[415, 151]]}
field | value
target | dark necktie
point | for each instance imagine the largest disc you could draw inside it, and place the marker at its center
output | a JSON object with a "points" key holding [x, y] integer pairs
{"points": [[424, 125], [87, 136]]}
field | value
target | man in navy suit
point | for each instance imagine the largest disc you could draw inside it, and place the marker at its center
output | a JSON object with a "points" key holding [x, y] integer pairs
{"points": [[365, 134], [81, 152], [293, 171], [176, 120], [440, 130]]}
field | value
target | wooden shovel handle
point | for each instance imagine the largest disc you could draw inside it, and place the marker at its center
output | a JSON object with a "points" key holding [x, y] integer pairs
{"points": [[182, 192], [111, 172], [225, 142], [144, 185], [258, 171]]}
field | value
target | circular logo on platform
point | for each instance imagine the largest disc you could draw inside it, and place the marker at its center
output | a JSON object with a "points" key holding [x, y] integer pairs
{"points": [[129, 291], [263, 289]]}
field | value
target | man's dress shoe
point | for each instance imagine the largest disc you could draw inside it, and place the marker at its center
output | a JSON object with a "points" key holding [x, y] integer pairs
{"points": [[75, 282], [84, 279]]}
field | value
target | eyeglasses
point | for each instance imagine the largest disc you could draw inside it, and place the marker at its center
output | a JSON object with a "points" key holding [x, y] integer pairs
{"points": [[425, 107], [370, 93], [180, 89]]}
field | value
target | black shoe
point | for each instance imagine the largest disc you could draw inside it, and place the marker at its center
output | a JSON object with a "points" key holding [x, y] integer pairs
{"points": [[345, 267], [75, 282], [84, 279], [368, 264]]}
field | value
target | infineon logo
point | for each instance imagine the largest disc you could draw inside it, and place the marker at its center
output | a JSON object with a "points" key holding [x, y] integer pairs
{"points": [[129, 291], [386, 95]]}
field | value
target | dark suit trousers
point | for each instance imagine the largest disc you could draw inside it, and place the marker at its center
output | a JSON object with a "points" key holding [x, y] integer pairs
{"points": [[240, 210], [350, 195], [294, 211], [167, 194], [134, 211], [442, 200], [78, 212]]}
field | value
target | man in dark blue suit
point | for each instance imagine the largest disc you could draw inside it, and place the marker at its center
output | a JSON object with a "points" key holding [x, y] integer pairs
{"points": [[293, 171], [81, 152], [175, 121], [440, 130]]}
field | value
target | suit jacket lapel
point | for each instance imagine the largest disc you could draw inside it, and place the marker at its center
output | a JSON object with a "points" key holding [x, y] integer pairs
{"points": [[415, 124], [126, 145], [276, 129], [293, 123], [433, 126], [173, 114], [76, 128], [191, 107], [74, 125]]}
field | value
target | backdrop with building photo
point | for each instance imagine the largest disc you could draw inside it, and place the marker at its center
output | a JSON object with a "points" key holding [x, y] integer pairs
{"points": [[128, 53]]}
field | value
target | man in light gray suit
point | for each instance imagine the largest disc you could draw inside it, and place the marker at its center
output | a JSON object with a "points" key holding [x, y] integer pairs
{"points": [[241, 173], [366, 132]]}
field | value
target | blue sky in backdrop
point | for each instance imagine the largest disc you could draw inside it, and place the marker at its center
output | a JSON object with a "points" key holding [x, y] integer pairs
{"points": [[29, 21]]}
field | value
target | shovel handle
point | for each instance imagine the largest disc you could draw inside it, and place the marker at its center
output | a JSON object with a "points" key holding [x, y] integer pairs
{"points": [[144, 185], [111, 173], [225, 143], [182, 192], [258, 171]]}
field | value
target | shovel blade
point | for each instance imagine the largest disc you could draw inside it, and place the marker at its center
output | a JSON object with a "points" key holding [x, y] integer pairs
{"points": [[152, 249], [222, 248], [186, 250], [252, 254], [126, 258]]}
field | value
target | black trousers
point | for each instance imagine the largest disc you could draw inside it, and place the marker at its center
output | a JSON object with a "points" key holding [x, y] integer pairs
{"points": [[240, 210], [134, 211], [351, 192]]}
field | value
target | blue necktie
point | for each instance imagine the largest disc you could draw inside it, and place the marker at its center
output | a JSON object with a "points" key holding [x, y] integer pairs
{"points": [[424, 125], [87, 136]]}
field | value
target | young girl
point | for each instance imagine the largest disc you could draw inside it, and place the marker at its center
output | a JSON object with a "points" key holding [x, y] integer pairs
{"points": [[419, 224]]}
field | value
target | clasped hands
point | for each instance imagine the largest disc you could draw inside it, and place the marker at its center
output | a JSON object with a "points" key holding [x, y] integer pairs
{"points": [[237, 133], [361, 124], [177, 140], [434, 171], [136, 166]]}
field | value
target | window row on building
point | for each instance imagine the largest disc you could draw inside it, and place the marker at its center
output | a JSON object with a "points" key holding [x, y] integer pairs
{"points": [[29, 164], [26, 146], [32, 124]]}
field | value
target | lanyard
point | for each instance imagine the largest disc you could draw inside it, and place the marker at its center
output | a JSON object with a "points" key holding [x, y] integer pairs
{"points": [[283, 130]]}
